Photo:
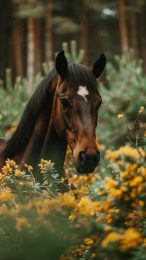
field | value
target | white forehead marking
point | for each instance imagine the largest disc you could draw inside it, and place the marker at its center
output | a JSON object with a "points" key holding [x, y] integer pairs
{"points": [[83, 91]]}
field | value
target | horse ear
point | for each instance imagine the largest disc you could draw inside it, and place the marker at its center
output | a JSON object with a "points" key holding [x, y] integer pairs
{"points": [[99, 66], [61, 64]]}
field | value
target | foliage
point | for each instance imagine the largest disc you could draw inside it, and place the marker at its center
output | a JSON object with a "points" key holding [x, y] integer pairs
{"points": [[71, 53], [122, 115], [94, 218], [12, 103]]}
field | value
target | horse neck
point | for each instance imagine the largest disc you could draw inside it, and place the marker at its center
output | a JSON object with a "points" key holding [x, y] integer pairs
{"points": [[32, 154], [54, 147]]}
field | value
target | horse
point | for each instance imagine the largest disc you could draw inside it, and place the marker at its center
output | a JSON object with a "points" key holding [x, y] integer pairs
{"points": [[62, 111]]}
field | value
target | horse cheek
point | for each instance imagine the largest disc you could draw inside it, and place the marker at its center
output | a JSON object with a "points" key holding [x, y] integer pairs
{"points": [[68, 120]]}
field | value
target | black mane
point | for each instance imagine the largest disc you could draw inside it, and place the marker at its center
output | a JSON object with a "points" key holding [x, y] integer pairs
{"points": [[35, 105], [77, 75]]}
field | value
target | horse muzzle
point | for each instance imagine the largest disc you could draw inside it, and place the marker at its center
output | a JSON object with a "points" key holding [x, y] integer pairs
{"points": [[86, 162]]}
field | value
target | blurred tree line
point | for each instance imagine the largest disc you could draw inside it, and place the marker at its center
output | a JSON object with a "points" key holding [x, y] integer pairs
{"points": [[32, 30]]}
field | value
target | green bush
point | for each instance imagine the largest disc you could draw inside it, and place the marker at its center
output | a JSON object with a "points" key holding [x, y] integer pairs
{"points": [[122, 115], [12, 103]]}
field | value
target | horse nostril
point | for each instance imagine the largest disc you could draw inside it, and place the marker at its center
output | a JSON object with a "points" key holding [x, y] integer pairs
{"points": [[94, 159], [82, 157]]}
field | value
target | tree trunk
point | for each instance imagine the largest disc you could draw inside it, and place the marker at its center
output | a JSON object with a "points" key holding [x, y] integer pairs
{"points": [[5, 35], [123, 25], [84, 34], [133, 32], [48, 32], [17, 57], [30, 54], [37, 46], [142, 33]]}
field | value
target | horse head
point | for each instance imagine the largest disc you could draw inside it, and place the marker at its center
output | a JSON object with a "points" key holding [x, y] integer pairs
{"points": [[75, 109]]}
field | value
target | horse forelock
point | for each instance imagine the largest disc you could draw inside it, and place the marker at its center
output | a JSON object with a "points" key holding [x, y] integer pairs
{"points": [[80, 75]]}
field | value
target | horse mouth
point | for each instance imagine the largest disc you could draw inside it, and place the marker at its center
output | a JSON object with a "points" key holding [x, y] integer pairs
{"points": [[85, 170]]}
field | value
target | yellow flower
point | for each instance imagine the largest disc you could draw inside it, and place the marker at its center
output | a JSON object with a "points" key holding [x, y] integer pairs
{"points": [[5, 195], [85, 207], [11, 163], [2, 177], [106, 205], [109, 218], [18, 173], [141, 203], [141, 110], [68, 201], [28, 167], [116, 193], [112, 237], [9, 166], [42, 207], [82, 191], [99, 219], [110, 183], [21, 223], [6, 169], [119, 116], [42, 165], [133, 193], [142, 170], [125, 150], [131, 239], [80, 180], [107, 228], [125, 174], [124, 188], [45, 166], [136, 181], [88, 241]]}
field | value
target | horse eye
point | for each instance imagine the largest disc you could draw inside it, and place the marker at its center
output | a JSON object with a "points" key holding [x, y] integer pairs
{"points": [[97, 105], [65, 103]]}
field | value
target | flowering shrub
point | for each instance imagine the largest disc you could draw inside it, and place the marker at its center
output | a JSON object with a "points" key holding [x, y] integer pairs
{"points": [[93, 218]]}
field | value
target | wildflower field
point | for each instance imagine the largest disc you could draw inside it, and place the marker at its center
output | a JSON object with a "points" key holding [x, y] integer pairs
{"points": [[96, 216]]}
